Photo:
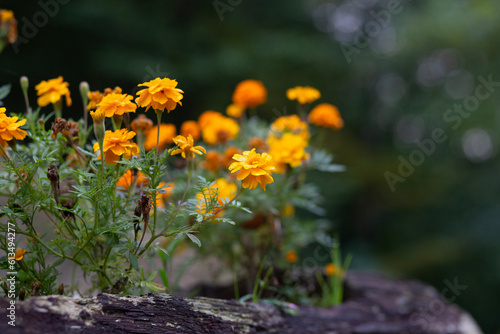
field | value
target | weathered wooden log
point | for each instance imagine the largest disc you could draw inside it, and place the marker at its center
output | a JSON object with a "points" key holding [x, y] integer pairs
{"points": [[374, 305]]}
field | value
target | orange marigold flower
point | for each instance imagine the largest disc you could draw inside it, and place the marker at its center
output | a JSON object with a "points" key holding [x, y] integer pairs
{"points": [[303, 95], [161, 94], [116, 104], [52, 91], [142, 123], [235, 110], [167, 134], [98, 115], [258, 143], [130, 178], [289, 149], [326, 115], [213, 161], [190, 128], [208, 117], [8, 25], [253, 168], [116, 144], [291, 256], [331, 270], [250, 94], [10, 128], [292, 124], [94, 98], [18, 255], [187, 148], [229, 154], [220, 131], [225, 192]]}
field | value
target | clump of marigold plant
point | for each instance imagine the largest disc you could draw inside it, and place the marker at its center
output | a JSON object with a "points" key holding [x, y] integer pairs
{"points": [[327, 116], [288, 150]]}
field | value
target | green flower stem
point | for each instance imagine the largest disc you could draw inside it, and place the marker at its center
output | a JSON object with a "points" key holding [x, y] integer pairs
{"points": [[159, 113], [190, 165]]}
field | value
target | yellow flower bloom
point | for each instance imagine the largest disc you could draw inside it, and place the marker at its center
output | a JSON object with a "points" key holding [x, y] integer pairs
{"points": [[208, 117], [187, 148], [167, 134], [190, 128], [220, 131], [52, 91], [9, 128], [235, 110], [292, 124], [98, 115], [303, 95], [142, 123], [225, 192], [94, 98], [253, 168], [128, 179], [250, 94], [326, 115], [116, 104], [291, 256], [116, 144], [161, 94], [213, 161], [289, 149], [18, 255]]}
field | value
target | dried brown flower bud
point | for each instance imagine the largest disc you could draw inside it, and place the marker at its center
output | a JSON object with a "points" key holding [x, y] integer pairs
{"points": [[53, 176], [58, 126], [22, 294], [35, 288], [60, 291]]}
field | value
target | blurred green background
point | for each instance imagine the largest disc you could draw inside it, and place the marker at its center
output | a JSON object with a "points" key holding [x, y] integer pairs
{"points": [[394, 87]]}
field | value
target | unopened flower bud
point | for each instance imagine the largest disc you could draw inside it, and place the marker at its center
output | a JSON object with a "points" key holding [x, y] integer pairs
{"points": [[24, 84], [84, 91]]}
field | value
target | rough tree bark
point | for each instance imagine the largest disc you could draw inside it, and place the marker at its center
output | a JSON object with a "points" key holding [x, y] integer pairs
{"points": [[374, 305]]}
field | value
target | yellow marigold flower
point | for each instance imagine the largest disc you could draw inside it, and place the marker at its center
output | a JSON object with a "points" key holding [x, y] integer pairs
{"points": [[258, 143], [128, 179], [142, 123], [10, 128], [208, 117], [291, 256], [8, 25], [187, 148], [225, 192], [213, 161], [235, 110], [303, 95], [289, 149], [164, 194], [326, 115], [331, 270], [167, 134], [98, 115], [161, 94], [250, 94], [292, 124], [94, 98], [18, 255], [253, 168], [52, 91], [190, 128], [229, 154], [116, 104], [116, 144], [220, 131]]}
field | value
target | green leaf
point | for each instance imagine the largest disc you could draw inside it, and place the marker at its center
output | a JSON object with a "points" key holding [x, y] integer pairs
{"points": [[4, 91], [194, 239], [133, 260]]}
